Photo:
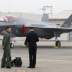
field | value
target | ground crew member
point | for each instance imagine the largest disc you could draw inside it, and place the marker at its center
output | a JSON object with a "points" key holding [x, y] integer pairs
{"points": [[30, 41], [6, 59]]}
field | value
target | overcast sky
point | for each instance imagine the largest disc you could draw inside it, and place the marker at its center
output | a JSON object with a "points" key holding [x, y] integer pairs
{"points": [[34, 6]]}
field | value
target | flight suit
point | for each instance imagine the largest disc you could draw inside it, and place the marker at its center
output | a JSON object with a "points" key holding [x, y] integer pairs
{"points": [[30, 41], [6, 59]]}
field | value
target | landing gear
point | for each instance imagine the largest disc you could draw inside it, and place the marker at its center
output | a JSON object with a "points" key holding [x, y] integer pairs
{"points": [[58, 44], [57, 39]]}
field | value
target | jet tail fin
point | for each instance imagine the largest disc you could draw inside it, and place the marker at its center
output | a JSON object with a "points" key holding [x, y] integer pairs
{"points": [[44, 18], [68, 22]]}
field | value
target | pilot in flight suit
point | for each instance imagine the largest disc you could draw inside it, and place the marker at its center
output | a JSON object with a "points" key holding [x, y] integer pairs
{"points": [[6, 59]]}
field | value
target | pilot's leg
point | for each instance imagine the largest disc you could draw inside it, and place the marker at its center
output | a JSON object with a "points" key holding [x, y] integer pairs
{"points": [[8, 65], [30, 57], [34, 57], [3, 62]]}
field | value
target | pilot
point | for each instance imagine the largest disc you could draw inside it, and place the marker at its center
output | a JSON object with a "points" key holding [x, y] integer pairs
{"points": [[30, 42], [6, 59]]}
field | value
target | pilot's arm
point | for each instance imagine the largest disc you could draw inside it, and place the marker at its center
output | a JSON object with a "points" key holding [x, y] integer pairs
{"points": [[36, 37], [26, 41], [4, 42]]}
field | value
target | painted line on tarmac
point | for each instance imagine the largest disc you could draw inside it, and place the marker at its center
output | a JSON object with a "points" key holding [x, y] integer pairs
{"points": [[55, 60], [12, 70]]}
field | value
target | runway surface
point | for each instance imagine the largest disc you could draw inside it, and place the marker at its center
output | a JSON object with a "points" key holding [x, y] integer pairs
{"points": [[48, 60]]}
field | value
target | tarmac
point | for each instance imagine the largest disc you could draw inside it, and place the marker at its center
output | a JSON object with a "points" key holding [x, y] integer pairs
{"points": [[48, 60]]}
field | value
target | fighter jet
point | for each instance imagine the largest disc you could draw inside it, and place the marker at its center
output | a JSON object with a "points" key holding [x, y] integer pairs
{"points": [[20, 26]]}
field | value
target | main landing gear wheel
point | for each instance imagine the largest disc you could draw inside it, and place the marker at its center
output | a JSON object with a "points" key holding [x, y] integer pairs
{"points": [[58, 44]]}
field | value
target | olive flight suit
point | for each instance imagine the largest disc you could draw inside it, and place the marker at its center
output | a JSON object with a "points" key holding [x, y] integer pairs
{"points": [[6, 59]]}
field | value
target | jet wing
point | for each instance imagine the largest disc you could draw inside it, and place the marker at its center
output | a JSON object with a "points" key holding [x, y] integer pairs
{"points": [[62, 30], [50, 32]]}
